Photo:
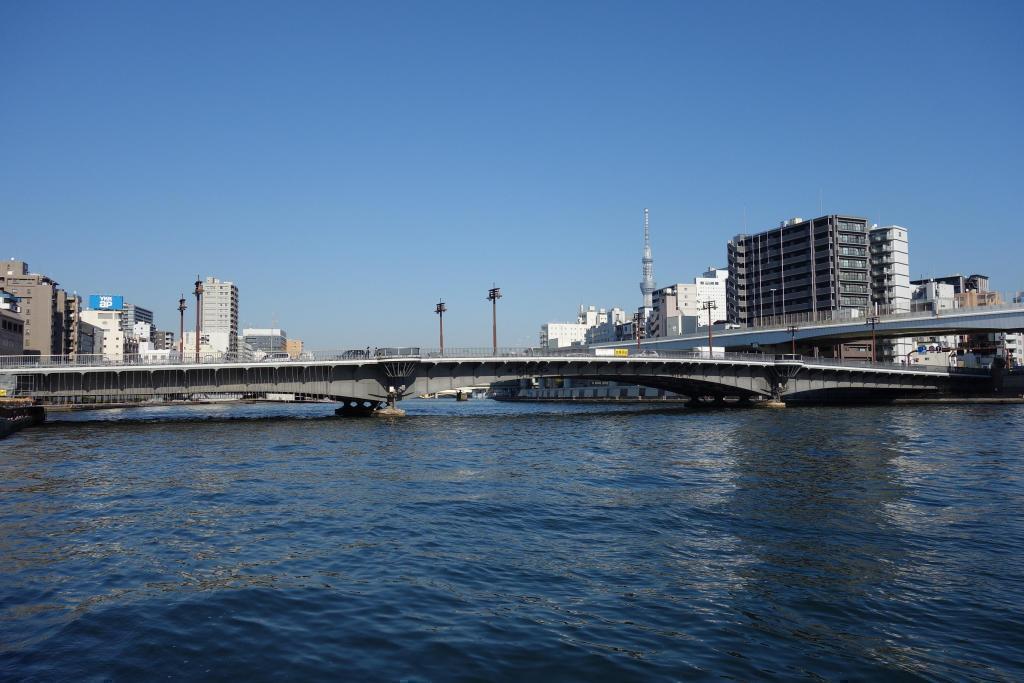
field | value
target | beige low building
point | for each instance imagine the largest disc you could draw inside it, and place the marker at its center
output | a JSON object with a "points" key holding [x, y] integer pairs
{"points": [[293, 347]]}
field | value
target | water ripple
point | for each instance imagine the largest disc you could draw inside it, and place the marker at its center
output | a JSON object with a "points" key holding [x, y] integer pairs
{"points": [[509, 541]]}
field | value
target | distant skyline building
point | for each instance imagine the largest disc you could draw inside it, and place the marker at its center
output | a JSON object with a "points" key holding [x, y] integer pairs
{"points": [[890, 268], [12, 326], [610, 330], [266, 339], [43, 308], [679, 308], [163, 340], [891, 291], [132, 314], [560, 335], [293, 347], [802, 267], [647, 284], [219, 316], [81, 338], [114, 344], [555, 335], [960, 283]]}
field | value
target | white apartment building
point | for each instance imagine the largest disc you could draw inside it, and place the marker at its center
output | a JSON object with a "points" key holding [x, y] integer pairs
{"points": [[933, 296], [891, 291], [142, 331], [211, 344], [676, 304], [608, 331], [559, 335], [711, 286], [590, 322], [889, 251], [220, 315]]}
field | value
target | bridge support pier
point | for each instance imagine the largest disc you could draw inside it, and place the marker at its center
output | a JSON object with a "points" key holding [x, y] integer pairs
{"points": [[771, 403], [390, 409]]}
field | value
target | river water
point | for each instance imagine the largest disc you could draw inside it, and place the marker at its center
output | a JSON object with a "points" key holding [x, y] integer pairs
{"points": [[499, 541]]}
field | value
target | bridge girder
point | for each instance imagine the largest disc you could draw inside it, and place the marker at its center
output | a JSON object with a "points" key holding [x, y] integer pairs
{"points": [[371, 380]]}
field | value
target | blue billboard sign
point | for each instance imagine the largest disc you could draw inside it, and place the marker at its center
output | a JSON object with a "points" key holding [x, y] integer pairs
{"points": [[106, 302]]}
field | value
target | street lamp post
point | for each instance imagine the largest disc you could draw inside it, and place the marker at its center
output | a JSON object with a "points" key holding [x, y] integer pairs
{"points": [[199, 312], [873, 320], [709, 306], [493, 294], [792, 337], [440, 309], [181, 327]]}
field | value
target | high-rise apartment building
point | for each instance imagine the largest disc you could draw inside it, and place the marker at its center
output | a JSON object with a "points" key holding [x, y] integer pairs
{"points": [[889, 251], [43, 308], [801, 267], [132, 314], [891, 292], [81, 338], [220, 314], [712, 286]]}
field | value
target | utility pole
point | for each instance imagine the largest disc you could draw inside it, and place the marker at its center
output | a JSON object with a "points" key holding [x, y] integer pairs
{"points": [[181, 328], [873, 320], [199, 312], [792, 337], [493, 294], [709, 306], [440, 309]]}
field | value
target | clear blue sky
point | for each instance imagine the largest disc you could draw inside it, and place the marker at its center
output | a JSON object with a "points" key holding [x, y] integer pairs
{"points": [[347, 164]]}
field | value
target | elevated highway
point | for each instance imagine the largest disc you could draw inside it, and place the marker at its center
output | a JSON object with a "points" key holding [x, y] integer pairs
{"points": [[364, 384], [998, 318]]}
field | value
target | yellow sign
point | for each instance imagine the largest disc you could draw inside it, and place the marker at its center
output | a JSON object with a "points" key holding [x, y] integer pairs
{"points": [[3, 392], [621, 352]]}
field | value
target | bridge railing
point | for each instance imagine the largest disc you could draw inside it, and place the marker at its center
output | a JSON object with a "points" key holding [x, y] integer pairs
{"points": [[857, 363]]}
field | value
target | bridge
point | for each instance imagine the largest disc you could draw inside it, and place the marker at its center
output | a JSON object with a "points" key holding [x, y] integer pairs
{"points": [[780, 332], [364, 384]]}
